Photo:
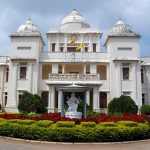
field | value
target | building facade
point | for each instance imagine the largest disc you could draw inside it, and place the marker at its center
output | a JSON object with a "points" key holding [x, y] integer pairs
{"points": [[119, 70]]}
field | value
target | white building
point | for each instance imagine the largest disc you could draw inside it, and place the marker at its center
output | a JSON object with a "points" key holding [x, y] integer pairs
{"points": [[108, 74]]}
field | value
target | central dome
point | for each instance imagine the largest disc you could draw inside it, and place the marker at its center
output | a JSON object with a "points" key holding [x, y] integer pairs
{"points": [[74, 18]]}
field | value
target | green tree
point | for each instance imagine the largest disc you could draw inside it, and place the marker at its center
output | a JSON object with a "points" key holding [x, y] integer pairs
{"points": [[145, 109], [123, 104], [31, 103]]}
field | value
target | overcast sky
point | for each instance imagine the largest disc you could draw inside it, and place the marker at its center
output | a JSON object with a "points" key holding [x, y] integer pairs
{"points": [[101, 14]]}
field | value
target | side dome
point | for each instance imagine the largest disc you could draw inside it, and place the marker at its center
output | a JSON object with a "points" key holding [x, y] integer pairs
{"points": [[121, 29], [74, 18], [28, 26]]}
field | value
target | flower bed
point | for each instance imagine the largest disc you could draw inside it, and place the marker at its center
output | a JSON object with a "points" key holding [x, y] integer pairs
{"points": [[68, 131], [55, 117]]}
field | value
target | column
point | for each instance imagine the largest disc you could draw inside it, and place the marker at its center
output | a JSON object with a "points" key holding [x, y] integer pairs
{"points": [[51, 99], [90, 43], [30, 77], [119, 79], [63, 68], [84, 68], [96, 99], [82, 40], [134, 90], [66, 41], [1, 84], [85, 101], [62, 104], [59, 100], [14, 85], [88, 97]]}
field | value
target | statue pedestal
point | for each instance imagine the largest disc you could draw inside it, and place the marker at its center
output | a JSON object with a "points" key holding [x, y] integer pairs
{"points": [[71, 115]]}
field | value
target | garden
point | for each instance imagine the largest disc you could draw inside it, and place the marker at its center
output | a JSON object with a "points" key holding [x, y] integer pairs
{"points": [[122, 123]]}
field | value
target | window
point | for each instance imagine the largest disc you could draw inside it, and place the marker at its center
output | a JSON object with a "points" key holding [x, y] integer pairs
{"points": [[5, 99], [94, 47], [24, 48], [103, 100], [59, 69], [125, 48], [142, 76], [125, 71], [7, 74], [20, 95], [53, 47], [44, 96], [143, 98], [126, 93], [61, 49], [86, 49], [23, 71]]}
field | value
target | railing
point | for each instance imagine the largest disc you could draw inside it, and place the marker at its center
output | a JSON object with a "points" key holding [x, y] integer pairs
{"points": [[73, 76]]}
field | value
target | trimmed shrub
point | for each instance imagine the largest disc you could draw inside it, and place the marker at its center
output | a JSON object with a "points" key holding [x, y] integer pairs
{"points": [[145, 109], [108, 124], [128, 123], [22, 122], [44, 123], [31, 103], [88, 124], [123, 104], [77, 133], [67, 124]]}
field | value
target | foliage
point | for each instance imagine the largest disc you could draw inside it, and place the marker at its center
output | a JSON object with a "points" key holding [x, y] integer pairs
{"points": [[76, 133], [88, 124], [22, 122], [44, 123], [123, 104], [81, 107], [145, 109], [128, 123], [30, 115], [55, 117], [68, 124], [31, 103], [108, 124]]}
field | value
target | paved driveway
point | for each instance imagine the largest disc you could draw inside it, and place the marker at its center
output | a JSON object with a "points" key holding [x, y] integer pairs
{"points": [[6, 144]]}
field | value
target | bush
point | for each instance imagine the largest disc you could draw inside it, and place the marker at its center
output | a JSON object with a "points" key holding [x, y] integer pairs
{"points": [[76, 133], [31, 103], [68, 124], [88, 124], [108, 124], [22, 122], [145, 109], [44, 123], [128, 123], [123, 104]]}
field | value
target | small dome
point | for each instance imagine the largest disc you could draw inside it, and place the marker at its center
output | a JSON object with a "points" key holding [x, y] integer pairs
{"points": [[28, 27], [120, 28], [74, 17]]}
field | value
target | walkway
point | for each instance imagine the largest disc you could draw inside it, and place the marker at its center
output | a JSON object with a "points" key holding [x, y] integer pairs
{"points": [[6, 144]]}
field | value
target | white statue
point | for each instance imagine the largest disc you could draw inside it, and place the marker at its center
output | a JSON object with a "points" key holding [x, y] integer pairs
{"points": [[72, 103]]}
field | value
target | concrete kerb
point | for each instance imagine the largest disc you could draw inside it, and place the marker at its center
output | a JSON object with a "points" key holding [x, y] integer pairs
{"points": [[69, 143]]}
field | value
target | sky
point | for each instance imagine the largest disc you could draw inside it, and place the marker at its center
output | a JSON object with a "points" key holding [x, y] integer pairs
{"points": [[101, 14]]}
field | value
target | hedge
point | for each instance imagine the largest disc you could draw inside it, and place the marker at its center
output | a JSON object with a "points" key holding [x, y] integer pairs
{"points": [[69, 132]]}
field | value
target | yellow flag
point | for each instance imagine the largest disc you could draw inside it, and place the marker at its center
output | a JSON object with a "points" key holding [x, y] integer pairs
{"points": [[72, 42], [79, 47]]}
